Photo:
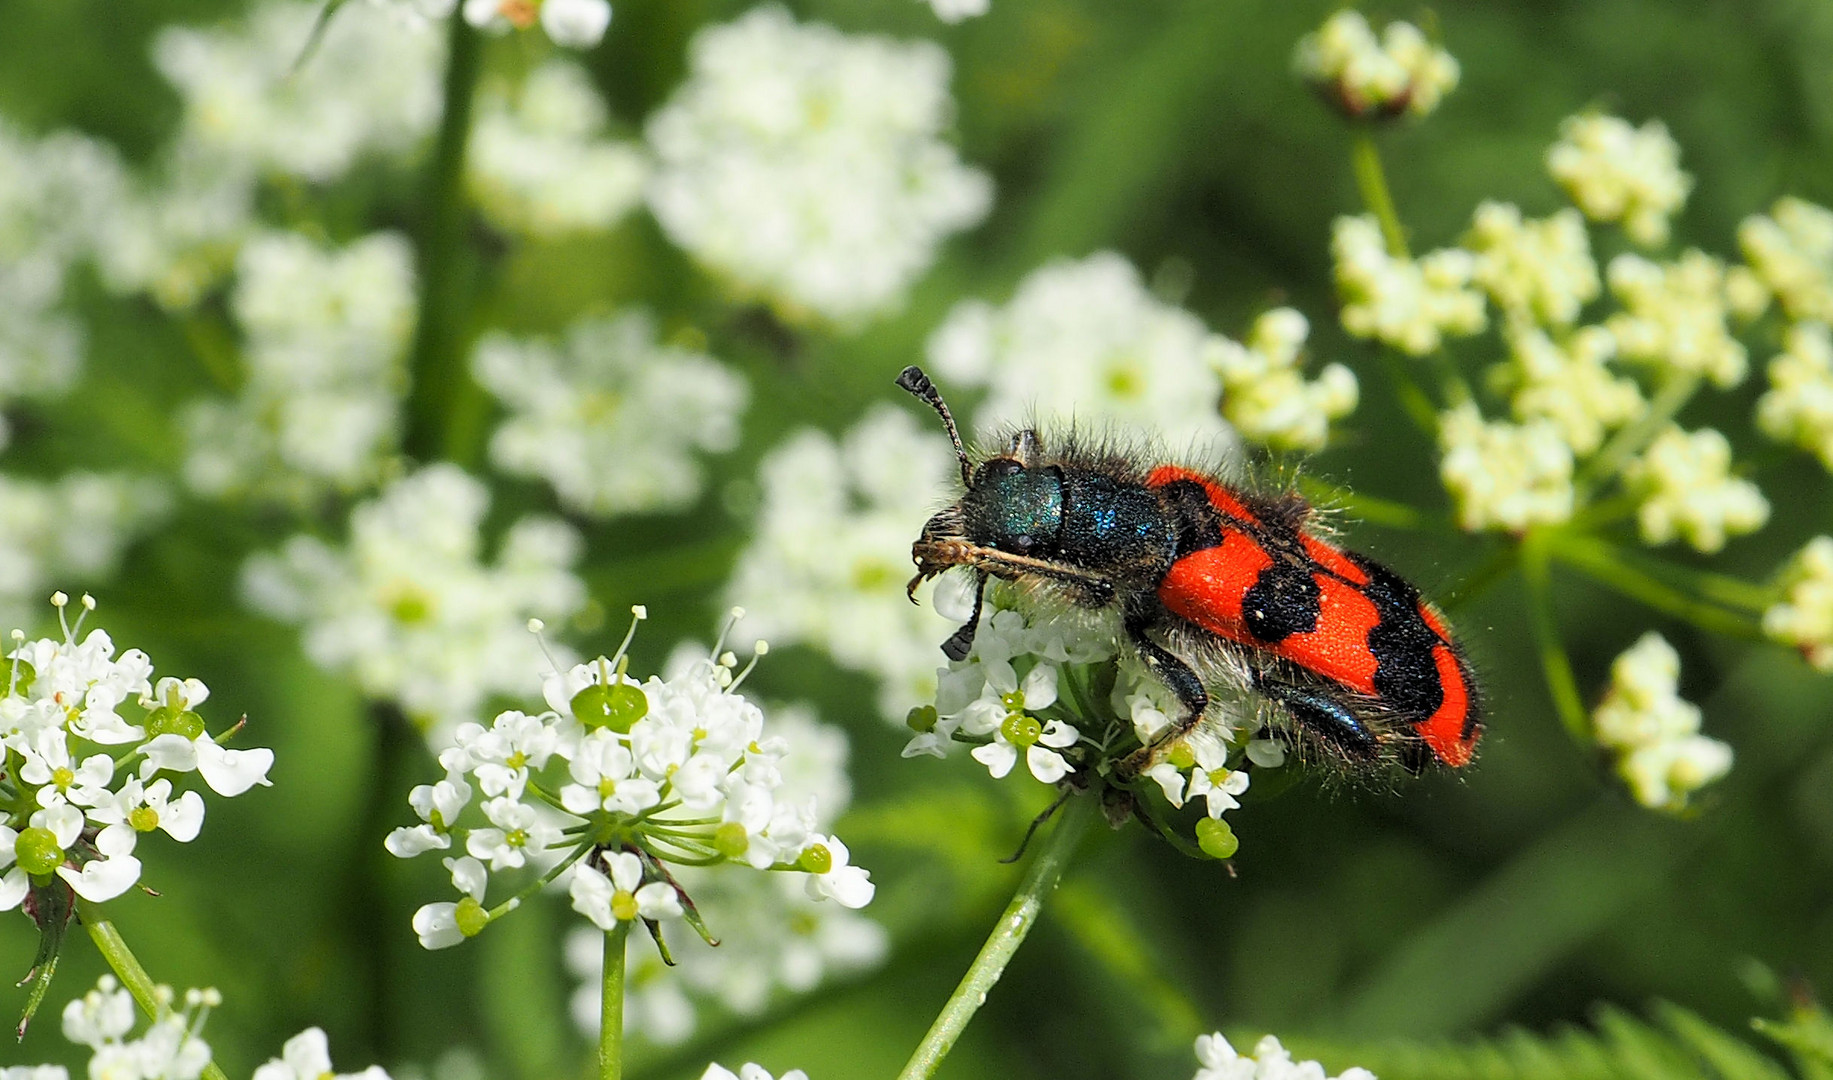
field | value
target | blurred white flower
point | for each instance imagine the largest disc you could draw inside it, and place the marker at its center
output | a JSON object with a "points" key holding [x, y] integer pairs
{"points": [[324, 337], [307, 1056], [1804, 616], [1411, 304], [1085, 338], [954, 11], [1401, 72], [169, 1048], [175, 234], [1687, 491], [539, 161], [749, 1071], [1791, 251], [576, 24], [410, 608], [1504, 476], [612, 418], [1569, 384], [1674, 317], [1539, 271], [1798, 406], [1266, 398], [1652, 732], [1616, 172], [1217, 1060], [371, 86], [75, 528], [829, 553], [804, 165]]}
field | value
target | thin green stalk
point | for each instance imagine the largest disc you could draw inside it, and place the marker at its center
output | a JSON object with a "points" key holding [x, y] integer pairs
{"points": [[611, 1010], [1008, 934], [1104, 928], [121, 960], [1417, 403], [1561, 683], [1371, 181], [1629, 441], [1598, 560], [446, 403]]}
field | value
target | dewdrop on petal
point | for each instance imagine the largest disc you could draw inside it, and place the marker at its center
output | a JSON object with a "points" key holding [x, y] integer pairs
{"points": [[1804, 616], [1618, 173], [1687, 491]]}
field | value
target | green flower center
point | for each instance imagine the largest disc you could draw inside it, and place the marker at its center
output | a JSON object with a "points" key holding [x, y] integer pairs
{"points": [[922, 719], [816, 860], [623, 905], [37, 851], [1021, 730], [63, 777], [615, 707], [173, 720], [471, 917], [143, 819], [730, 840]]}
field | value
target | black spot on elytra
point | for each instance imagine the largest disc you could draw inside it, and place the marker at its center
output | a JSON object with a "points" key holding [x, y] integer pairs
{"points": [[1283, 601], [1198, 523], [1406, 674]]}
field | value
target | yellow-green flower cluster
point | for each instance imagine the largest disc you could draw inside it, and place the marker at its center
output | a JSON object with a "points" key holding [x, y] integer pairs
{"points": [[1504, 476], [1798, 407], [1652, 732], [1411, 304], [1266, 397], [1369, 77], [1616, 172], [1569, 384], [1674, 317], [1791, 251], [1687, 491], [1804, 616], [1533, 270]]}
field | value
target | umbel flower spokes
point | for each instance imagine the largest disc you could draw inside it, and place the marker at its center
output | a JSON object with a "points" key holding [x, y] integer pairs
{"points": [[616, 781]]}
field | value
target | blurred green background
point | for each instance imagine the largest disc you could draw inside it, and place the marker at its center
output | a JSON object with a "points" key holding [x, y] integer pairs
{"points": [[1524, 893]]}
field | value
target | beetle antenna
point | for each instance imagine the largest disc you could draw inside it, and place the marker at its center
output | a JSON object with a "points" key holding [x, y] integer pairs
{"points": [[913, 380]]}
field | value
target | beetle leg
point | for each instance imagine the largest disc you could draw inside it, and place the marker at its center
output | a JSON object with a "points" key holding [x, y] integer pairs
{"points": [[957, 646], [1325, 715], [1182, 682]]}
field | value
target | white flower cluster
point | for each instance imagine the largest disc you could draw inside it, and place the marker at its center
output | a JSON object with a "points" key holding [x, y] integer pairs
{"points": [[72, 528], [1798, 406], [1569, 384], [307, 1056], [1674, 317], [1264, 395], [1791, 251], [1365, 76], [539, 162], [1687, 491], [1653, 732], [1616, 172], [773, 937], [410, 608], [1535, 271], [576, 24], [89, 780], [1804, 616], [324, 332], [954, 11], [1086, 338], [612, 417], [1217, 1060], [748, 1071], [803, 165], [1411, 304], [169, 1048], [676, 770], [829, 552], [175, 235], [1504, 476]]}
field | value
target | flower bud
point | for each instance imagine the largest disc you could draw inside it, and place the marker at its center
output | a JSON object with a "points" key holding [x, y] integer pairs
{"points": [[1217, 840], [37, 851]]}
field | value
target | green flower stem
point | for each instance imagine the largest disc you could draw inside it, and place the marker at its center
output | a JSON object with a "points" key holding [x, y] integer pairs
{"points": [[121, 960], [1417, 403], [1008, 934], [1561, 683], [611, 1011], [447, 408], [1629, 441], [1603, 563], [1109, 933], [1371, 181]]}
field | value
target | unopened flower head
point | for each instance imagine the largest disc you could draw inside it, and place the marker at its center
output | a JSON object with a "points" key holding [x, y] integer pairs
{"points": [[169, 1049], [1504, 476], [1798, 406], [540, 163], [1791, 251], [829, 551], [104, 754], [1804, 616], [1266, 398], [409, 606], [1409, 304], [805, 166], [576, 24], [1218, 1060], [616, 779], [1086, 338], [324, 335], [1399, 73], [1570, 384], [1673, 317], [1687, 491], [611, 417], [1618, 173], [1535, 271], [1652, 732]]}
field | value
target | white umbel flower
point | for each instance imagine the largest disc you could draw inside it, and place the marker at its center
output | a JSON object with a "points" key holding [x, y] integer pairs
{"points": [[575, 24], [75, 528], [307, 1056], [1086, 338], [1409, 304], [1652, 732], [410, 608], [1798, 406], [749, 1071], [540, 163], [1264, 395], [1791, 251], [1570, 384], [1804, 616], [1538, 271], [1687, 491], [1401, 72], [1674, 317], [804, 166], [611, 417], [1217, 1060], [1618, 173], [1504, 476]]}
